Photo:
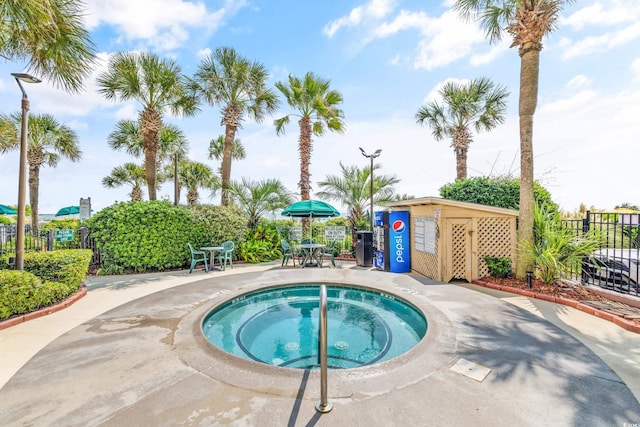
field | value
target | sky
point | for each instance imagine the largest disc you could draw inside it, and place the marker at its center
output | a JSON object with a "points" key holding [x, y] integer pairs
{"points": [[387, 58]]}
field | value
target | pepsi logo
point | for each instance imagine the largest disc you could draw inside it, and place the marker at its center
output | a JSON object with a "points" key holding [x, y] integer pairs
{"points": [[398, 226]]}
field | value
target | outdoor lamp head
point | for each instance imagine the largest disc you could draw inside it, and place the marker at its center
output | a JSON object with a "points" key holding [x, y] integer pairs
{"points": [[377, 153], [363, 153], [28, 78]]}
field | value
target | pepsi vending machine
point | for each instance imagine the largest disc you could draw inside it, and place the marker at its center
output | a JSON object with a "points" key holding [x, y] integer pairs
{"points": [[391, 249]]}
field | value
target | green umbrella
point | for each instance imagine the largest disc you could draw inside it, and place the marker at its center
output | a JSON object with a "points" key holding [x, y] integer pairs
{"points": [[310, 209], [69, 210], [6, 210]]}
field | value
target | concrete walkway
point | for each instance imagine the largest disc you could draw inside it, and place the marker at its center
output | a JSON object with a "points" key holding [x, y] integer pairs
{"points": [[130, 353]]}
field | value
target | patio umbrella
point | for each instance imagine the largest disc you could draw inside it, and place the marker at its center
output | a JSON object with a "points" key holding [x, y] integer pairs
{"points": [[310, 209], [69, 210], [6, 210]]}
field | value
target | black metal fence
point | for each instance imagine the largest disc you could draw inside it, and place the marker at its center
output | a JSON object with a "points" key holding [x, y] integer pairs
{"points": [[48, 240], [616, 263]]}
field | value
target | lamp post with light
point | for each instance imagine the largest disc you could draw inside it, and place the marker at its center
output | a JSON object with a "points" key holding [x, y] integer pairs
{"points": [[27, 78], [371, 157]]}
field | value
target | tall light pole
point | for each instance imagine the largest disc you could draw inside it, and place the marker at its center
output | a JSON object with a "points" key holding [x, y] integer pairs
{"points": [[22, 175], [371, 157]]}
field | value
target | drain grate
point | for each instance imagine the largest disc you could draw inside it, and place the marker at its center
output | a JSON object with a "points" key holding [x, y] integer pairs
{"points": [[470, 369]]}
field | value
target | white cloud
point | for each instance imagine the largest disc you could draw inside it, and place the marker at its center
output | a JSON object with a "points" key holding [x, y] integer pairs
{"points": [[569, 104], [55, 101], [203, 53], [374, 10], [594, 44], [165, 24], [497, 50], [579, 81], [614, 12], [447, 39]]}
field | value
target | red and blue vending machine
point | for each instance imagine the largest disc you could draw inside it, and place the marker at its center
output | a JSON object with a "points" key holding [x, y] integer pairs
{"points": [[391, 248]]}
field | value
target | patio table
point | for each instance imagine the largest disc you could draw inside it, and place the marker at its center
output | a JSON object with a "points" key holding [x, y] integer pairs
{"points": [[213, 250], [310, 252]]}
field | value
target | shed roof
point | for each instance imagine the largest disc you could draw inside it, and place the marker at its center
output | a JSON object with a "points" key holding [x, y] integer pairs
{"points": [[452, 203]]}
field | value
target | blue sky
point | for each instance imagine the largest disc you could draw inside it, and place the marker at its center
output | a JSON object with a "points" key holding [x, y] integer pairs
{"points": [[387, 58]]}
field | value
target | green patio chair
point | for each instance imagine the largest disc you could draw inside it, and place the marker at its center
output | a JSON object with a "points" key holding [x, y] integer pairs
{"points": [[226, 254], [327, 252], [196, 257], [287, 253]]}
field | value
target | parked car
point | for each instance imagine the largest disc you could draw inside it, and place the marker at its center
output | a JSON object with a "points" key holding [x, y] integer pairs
{"points": [[615, 269]]}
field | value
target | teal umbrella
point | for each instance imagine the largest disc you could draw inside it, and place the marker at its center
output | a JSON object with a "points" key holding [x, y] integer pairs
{"points": [[310, 209], [69, 210], [6, 210]]}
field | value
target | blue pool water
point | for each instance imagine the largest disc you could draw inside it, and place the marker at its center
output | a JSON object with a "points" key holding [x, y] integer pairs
{"points": [[279, 326]]}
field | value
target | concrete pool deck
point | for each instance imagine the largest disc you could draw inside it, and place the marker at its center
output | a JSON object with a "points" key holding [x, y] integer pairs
{"points": [[130, 353]]}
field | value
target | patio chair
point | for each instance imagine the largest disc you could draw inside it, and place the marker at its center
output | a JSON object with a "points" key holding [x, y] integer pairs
{"points": [[287, 253], [226, 254], [196, 257], [328, 253]]}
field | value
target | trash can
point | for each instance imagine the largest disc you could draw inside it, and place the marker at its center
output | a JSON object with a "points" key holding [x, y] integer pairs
{"points": [[364, 248]]}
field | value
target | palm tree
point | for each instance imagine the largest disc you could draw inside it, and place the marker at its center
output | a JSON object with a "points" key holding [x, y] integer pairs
{"points": [[195, 175], [158, 85], [257, 197], [478, 103], [353, 190], [48, 142], [317, 107], [172, 146], [239, 86], [527, 22], [50, 35], [216, 150], [127, 174]]}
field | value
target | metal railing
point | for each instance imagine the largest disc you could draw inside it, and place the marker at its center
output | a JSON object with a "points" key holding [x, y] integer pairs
{"points": [[323, 405], [45, 240], [615, 265]]}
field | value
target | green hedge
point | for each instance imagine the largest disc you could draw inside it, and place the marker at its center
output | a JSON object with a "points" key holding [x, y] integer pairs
{"points": [[499, 192], [153, 235], [67, 266], [23, 292]]}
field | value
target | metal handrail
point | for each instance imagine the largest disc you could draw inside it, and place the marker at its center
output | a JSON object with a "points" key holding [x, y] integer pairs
{"points": [[323, 405]]}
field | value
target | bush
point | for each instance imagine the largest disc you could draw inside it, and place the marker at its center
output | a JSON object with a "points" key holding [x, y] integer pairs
{"points": [[140, 236], [217, 224], [23, 292], [556, 249], [67, 266], [499, 192], [262, 244], [143, 236], [499, 267]]}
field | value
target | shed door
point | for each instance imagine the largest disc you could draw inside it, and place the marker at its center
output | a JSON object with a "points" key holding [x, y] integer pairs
{"points": [[458, 253]]}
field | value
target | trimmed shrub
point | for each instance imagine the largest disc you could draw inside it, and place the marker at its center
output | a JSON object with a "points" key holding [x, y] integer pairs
{"points": [[68, 266], [23, 292], [499, 267], [499, 192], [143, 236]]}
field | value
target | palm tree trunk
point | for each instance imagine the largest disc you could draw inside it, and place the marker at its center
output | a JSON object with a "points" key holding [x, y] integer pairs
{"points": [[225, 168], [529, 71], [150, 155], [305, 149], [461, 163], [305, 158], [34, 187], [150, 125]]}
